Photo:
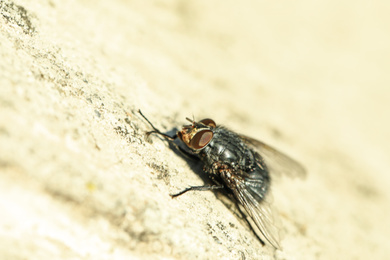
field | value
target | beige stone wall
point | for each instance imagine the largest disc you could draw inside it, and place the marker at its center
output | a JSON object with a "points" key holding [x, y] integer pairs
{"points": [[79, 181]]}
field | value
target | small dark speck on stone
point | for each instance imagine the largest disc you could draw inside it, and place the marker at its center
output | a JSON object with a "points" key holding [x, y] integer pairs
{"points": [[97, 113]]}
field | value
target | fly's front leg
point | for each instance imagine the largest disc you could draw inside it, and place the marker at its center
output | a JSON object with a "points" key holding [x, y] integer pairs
{"points": [[155, 130], [187, 154], [170, 139]]}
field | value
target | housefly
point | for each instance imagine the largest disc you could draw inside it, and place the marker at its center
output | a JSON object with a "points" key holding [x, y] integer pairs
{"points": [[239, 163]]}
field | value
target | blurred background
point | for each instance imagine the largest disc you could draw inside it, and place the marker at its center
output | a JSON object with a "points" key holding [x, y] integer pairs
{"points": [[78, 180]]}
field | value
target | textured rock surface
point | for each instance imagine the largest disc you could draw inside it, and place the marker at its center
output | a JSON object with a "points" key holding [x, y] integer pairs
{"points": [[79, 181]]}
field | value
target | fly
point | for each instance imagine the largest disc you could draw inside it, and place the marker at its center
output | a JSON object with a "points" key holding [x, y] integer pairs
{"points": [[243, 165]]}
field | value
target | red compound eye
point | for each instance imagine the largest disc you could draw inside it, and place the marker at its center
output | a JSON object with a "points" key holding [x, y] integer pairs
{"points": [[201, 139], [209, 122]]}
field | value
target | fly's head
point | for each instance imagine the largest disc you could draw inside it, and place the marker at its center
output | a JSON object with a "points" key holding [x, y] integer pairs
{"points": [[197, 135]]}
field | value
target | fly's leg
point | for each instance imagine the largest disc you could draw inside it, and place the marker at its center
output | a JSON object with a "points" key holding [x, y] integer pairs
{"points": [[199, 188], [170, 139], [155, 130]]}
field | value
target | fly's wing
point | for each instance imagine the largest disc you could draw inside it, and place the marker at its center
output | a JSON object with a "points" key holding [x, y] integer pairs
{"points": [[249, 192], [277, 162]]}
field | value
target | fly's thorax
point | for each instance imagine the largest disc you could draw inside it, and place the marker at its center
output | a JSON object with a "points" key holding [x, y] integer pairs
{"points": [[226, 150]]}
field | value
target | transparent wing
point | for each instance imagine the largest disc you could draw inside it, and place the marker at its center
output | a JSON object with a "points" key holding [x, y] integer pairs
{"points": [[277, 162], [255, 207]]}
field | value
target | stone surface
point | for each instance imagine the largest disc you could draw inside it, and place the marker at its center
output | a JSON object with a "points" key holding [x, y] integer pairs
{"points": [[78, 180]]}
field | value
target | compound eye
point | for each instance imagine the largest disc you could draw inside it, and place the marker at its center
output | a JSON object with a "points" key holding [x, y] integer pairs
{"points": [[201, 139], [209, 122]]}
